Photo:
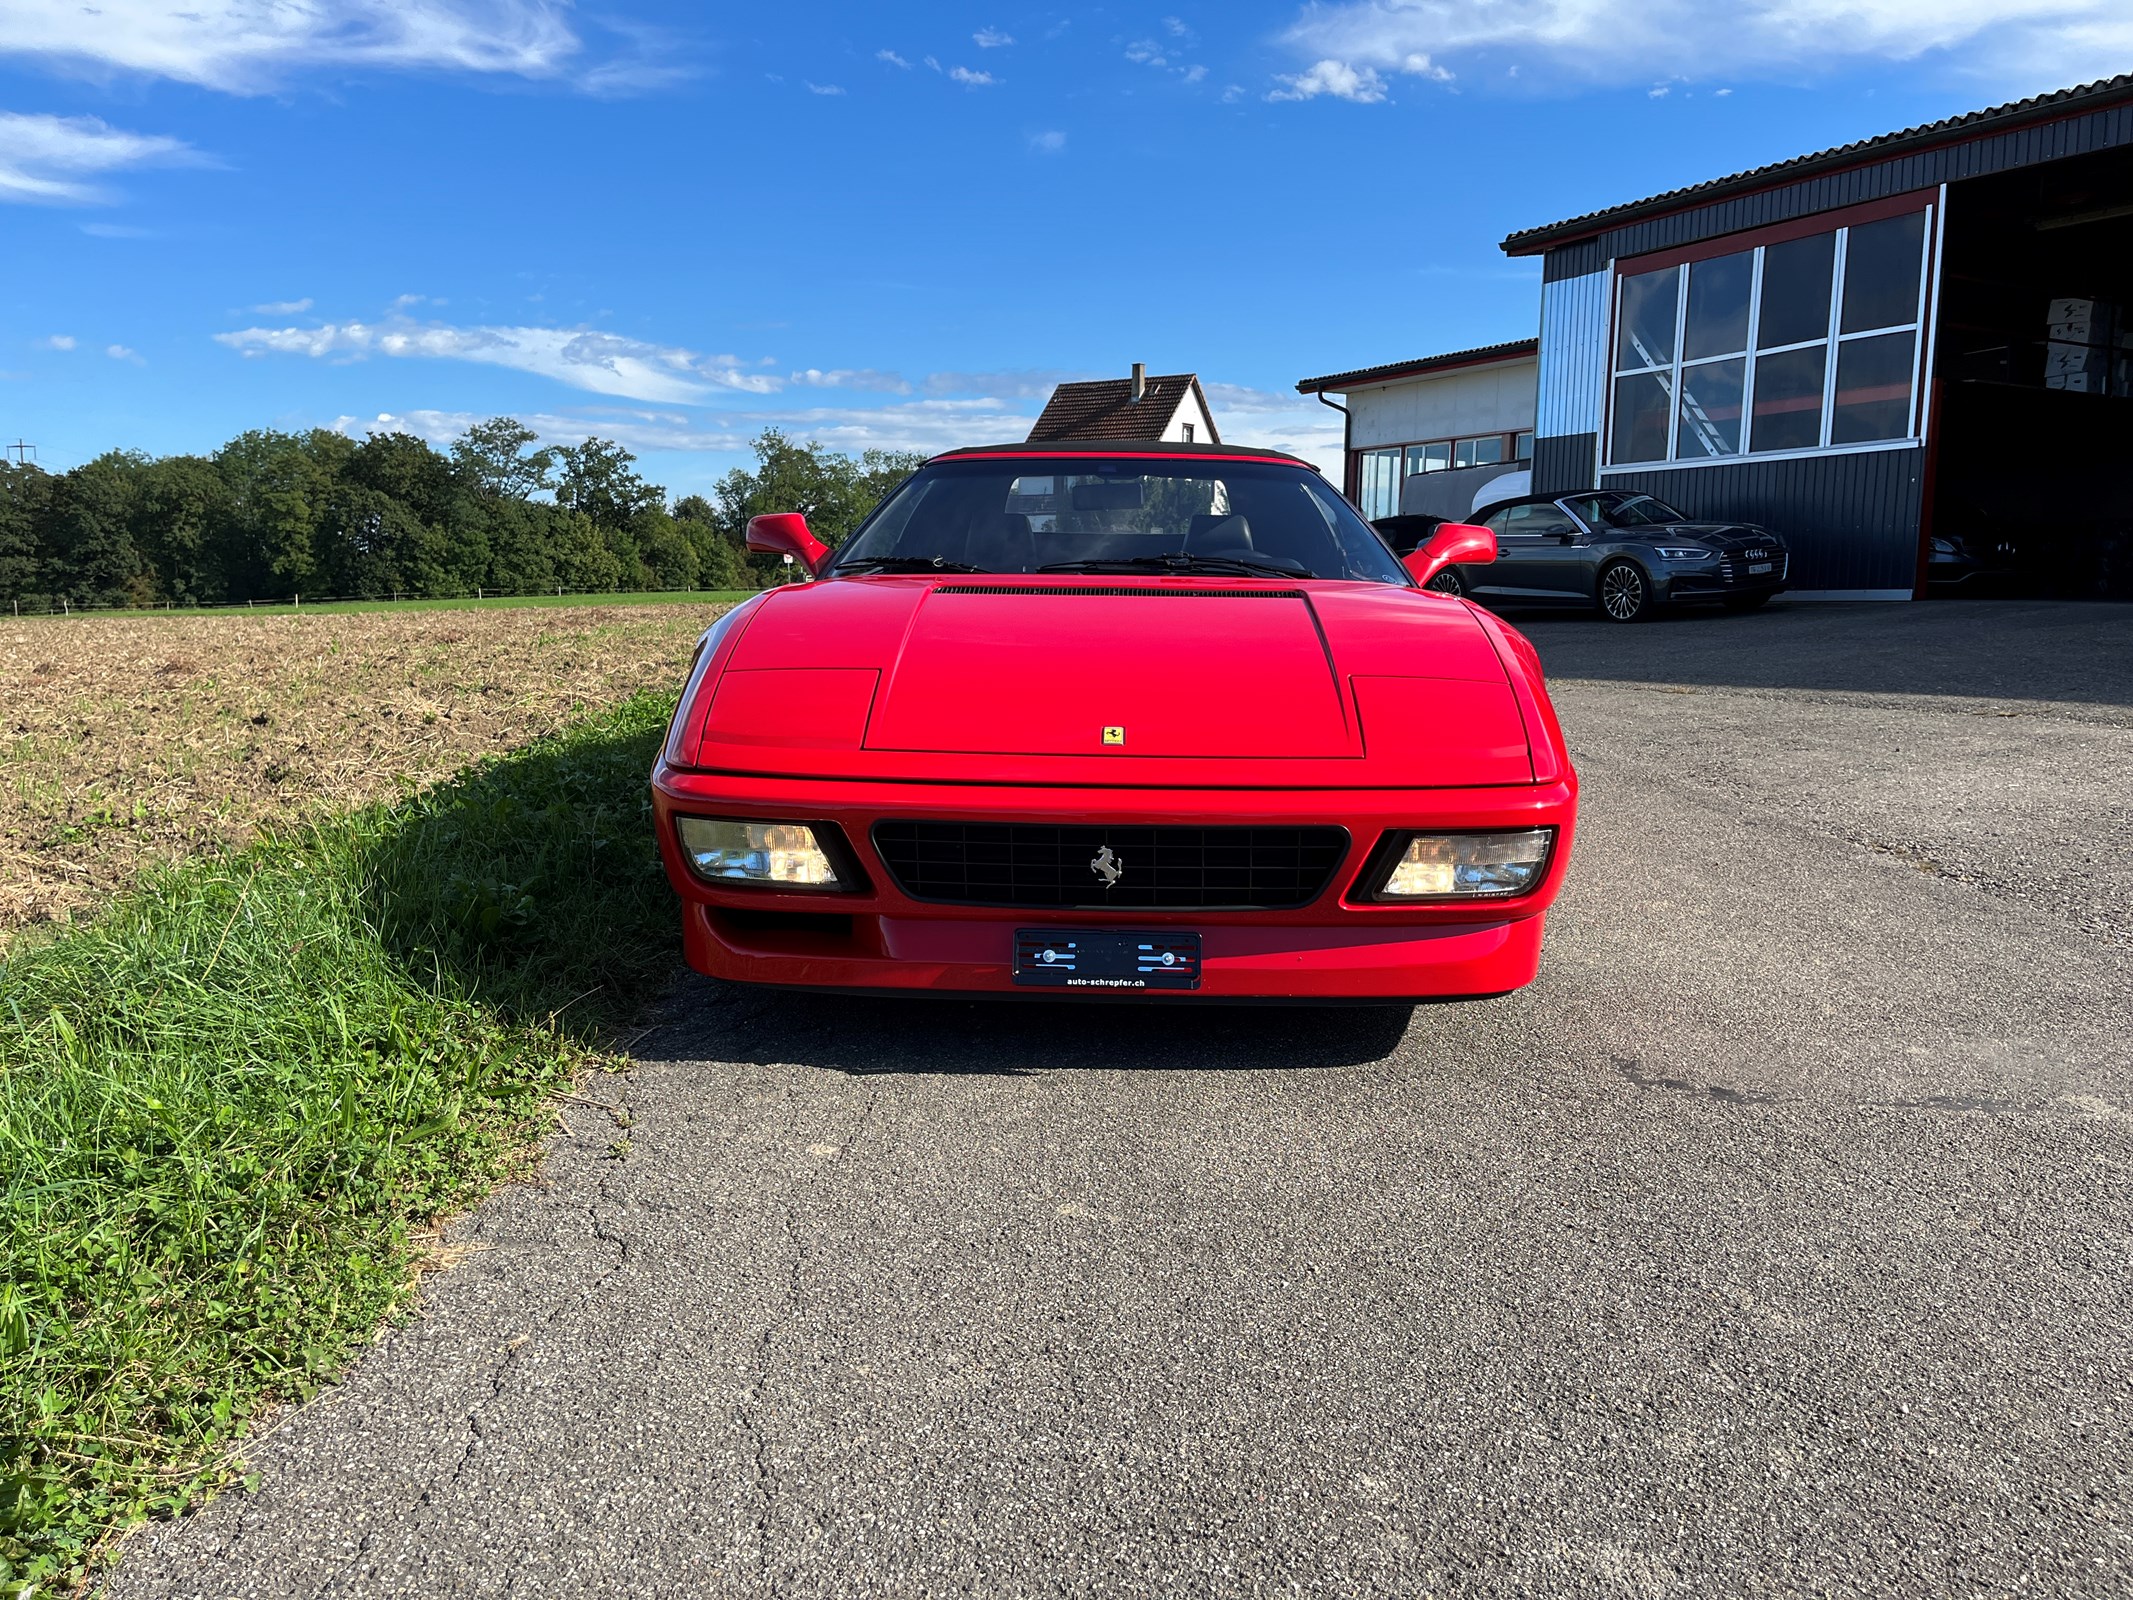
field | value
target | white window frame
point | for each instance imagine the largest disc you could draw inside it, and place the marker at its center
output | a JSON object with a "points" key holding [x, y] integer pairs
{"points": [[1832, 341], [1362, 477]]}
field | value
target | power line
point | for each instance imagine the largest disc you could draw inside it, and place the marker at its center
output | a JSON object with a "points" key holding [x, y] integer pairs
{"points": [[21, 452]]}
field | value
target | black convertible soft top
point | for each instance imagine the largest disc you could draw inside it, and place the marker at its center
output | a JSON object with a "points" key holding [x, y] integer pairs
{"points": [[1118, 447]]}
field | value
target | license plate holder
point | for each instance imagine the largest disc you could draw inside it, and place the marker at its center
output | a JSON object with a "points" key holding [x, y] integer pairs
{"points": [[1125, 959]]}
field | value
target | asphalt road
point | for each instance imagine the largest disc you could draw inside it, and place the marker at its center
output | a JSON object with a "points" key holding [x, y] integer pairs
{"points": [[1775, 1242]]}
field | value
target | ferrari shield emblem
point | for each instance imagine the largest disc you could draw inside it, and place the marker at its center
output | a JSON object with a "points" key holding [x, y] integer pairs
{"points": [[1114, 736]]}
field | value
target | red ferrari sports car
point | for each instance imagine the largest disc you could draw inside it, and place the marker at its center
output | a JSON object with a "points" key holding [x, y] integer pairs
{"points": [[1109, 720]]}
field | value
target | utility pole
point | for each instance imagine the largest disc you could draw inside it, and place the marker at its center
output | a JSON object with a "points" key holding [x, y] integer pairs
{"points": [[23, 453]]}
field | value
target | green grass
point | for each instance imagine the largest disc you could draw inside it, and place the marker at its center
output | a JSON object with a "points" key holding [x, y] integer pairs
{"points": [[229, 1105], [661, 597]]}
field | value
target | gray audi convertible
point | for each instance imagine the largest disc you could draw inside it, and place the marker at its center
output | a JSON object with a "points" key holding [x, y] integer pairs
{"points": [[1627, 554]]}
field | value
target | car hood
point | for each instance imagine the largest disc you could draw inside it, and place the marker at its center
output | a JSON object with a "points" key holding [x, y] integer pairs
{"points": [[1089, 680], [1720, 535]]}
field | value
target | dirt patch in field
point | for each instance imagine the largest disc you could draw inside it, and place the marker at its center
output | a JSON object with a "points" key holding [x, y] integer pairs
{"points": [[127, 741]]}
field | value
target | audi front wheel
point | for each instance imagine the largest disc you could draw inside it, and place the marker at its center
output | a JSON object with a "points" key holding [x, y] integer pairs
{"points": [[1625, 593]]}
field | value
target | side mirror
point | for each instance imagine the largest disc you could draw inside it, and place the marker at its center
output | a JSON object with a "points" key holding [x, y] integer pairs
{"points": [[1456, 544], [784, 533]]}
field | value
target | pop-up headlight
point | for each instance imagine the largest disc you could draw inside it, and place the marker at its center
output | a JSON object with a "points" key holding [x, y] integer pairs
{"points": [[778, 853], [1464, 866]]}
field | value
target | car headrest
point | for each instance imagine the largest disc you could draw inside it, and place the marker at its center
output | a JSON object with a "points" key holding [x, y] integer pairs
{"points": [[1211, 530]]}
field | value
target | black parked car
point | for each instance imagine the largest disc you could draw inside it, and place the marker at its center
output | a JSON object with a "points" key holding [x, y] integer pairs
{"points": [[1626, 553], [1409, 532]]}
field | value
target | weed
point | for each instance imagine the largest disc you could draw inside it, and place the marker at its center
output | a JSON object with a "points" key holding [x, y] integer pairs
{"points": [[230, 1105]]}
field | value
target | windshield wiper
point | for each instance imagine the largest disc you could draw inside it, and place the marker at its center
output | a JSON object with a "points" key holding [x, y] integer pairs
{"points": [[1180, 561], [906, 564]]}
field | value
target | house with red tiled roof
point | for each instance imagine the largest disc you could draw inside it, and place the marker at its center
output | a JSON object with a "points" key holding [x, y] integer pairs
{"points": [[1167, 410]]}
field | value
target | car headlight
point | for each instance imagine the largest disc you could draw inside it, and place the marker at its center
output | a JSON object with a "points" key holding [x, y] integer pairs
{"points": [[719, 851], [1685, 552], [1463, 866]]}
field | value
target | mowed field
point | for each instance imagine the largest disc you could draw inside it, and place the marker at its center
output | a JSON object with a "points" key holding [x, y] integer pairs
{"points": [[130, 741]]}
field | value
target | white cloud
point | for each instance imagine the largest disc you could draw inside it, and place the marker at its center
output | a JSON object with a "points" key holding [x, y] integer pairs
{"points": [[1177, 29], [600, 363], [933, 63], [970, 79], [950, 410], [1194, 73], [1658, 91], [928, 426], [1029, 383], [1146, 53], [246, 46], [1050, 142], [992, 38], [284, 308], [925, 425], [119, 352], [1336, 78], [824, 88], [55, 160], [1281, 421], [2018, 44], [892, 58], [57, 341], [851, 378]]}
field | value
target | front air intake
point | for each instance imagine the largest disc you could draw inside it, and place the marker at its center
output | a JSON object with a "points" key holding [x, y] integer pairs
{"points": [[1153, 868]]}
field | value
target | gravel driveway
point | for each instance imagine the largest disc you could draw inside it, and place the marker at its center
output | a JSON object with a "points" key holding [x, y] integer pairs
{"points": [[1775, 1242]]}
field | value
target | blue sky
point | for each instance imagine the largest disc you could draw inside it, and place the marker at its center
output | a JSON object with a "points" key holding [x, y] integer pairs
{"points": [[869, 224]]}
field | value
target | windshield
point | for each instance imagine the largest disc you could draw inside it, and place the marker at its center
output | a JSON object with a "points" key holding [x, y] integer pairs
{"points": [[1002, 514], [1638, 511]]}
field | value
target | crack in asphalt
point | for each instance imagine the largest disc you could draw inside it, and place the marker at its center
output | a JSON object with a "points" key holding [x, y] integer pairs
{"points": [[437, 1492], [754, 1412]]}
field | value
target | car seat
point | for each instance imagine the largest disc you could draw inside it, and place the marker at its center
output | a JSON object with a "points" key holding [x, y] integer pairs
{"points": [[1212, 533], [1005, 545]]}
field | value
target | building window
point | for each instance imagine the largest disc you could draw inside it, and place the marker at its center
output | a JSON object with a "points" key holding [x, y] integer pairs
{"points": [[1379, 473], [1188, 433], [1378, 483], [1731, 354], [1435, 457], [1483, 452]]}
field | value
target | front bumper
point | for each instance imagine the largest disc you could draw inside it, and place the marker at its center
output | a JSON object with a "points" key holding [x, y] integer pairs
{"points": [[1332, 949], [1719, 580]]}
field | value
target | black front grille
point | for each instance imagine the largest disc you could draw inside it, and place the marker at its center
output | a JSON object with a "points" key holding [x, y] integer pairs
{"points": [[1158, 868], [1734, 568]]}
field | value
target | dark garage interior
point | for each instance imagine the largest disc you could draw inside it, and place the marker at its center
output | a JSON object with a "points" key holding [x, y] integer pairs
{"points": [[2031, 475]]}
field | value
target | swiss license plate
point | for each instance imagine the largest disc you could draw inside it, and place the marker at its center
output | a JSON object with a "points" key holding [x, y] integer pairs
{"points": [[1757, 567], [1094, 958]]}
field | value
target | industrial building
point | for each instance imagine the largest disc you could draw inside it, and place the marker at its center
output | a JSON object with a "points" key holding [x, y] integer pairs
{"points": [[1919, 340]]}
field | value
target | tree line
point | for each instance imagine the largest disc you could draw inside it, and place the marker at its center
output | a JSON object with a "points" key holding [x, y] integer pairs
{"points": [[271, 515]]}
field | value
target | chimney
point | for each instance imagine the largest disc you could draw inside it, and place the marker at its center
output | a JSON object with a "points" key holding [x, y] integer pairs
{"points": [[1140, 380]]}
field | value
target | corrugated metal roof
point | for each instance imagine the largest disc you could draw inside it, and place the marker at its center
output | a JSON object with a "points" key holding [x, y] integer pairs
{"points": [[1480, 355], [1970, 125], [1106, 409]]}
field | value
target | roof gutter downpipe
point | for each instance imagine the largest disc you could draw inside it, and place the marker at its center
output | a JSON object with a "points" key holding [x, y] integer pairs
{"points": [[1347, 434]]}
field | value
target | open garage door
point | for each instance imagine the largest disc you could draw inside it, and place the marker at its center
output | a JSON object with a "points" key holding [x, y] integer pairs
{"points": [[2031, 471]]}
